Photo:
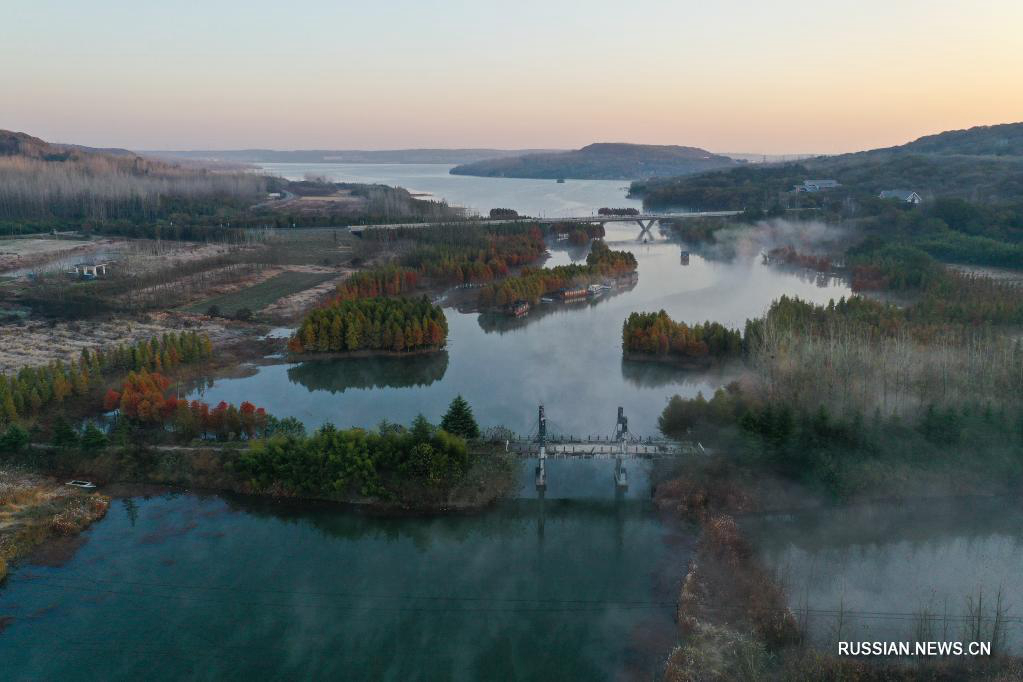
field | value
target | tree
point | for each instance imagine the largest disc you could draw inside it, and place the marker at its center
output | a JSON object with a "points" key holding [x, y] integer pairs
{"points": [[93, 438], [63, 435], [459, 419], [14, 439]]}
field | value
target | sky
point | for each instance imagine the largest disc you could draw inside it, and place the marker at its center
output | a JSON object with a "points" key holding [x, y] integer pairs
{"points": [[760, 77]]}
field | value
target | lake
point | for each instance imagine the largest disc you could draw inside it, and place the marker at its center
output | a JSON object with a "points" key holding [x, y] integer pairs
{"points": [[541, 198], [566, 356], [580, 585]]}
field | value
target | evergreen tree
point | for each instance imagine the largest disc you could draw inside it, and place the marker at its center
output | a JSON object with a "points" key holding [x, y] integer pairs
{"points": [[14, 439], [459, 420], [93, 438], [63, 435]]}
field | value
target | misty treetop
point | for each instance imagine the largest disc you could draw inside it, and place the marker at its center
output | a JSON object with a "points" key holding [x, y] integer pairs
{"points": [[372, 324], [847, 453]]}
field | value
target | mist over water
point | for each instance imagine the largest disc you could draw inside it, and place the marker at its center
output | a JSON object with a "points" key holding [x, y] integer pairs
{"points": [[580, 585], [887, 567], [566, 356]]}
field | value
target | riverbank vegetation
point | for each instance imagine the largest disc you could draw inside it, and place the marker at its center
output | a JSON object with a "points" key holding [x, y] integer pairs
{"points": [[23, 396], [34, 509], [376, 463], [533, 283], [734, 623], [397, 325], [860, 398]]}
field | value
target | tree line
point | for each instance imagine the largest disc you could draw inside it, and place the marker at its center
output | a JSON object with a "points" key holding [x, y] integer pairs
{"points": [[846, 453], [25, 394], [533, 283], [374, 324], [380, 463], [143, 400], [657, 335], [483, 257]]}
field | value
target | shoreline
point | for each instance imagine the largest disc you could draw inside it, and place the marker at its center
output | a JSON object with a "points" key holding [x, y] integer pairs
{"points": [[209, 470], [337, 355], [36, 509]]}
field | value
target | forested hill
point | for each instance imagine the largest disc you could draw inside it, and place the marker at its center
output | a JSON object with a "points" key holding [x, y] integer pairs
{"points": [[44, 185], [1005, 139], [602, 161], [983, 164], [23, 144]]}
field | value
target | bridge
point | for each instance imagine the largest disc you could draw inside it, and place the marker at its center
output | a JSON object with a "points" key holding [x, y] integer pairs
{"points": [[644, 220], [620, 446]]}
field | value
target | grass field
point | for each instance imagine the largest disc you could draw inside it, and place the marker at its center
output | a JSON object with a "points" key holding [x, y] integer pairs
{"points": [[263, 294]]}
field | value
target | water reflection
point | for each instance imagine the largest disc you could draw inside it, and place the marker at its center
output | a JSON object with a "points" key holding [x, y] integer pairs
{"points": [[501, 323], [339, 375], [569, 359], [659, 374], [235, 589]]}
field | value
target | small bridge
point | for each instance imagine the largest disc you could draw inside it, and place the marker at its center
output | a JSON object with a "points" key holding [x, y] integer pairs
{"points": [[620, 446], [644, 220]]}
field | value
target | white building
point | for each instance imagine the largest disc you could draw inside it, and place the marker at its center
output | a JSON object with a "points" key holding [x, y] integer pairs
{"points": [[906, 195]]}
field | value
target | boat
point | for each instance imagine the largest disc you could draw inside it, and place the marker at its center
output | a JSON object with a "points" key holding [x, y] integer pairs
{"points": [[81, 484], [561, 181]]}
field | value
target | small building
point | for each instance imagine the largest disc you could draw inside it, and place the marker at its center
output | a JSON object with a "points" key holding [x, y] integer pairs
{"points": [[905, 195], [88, 270], [816, 185], [575, 294], [518, 308]]}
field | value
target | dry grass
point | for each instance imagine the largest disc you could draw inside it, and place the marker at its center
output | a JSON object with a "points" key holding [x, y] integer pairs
{"points": [[34, 509], [38, 343]]}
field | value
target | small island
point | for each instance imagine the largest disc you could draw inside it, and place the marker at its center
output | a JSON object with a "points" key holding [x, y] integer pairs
{"points": [[655, 336], [371, 326]]}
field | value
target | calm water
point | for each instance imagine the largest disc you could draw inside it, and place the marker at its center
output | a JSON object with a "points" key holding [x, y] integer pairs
{"points": [[568, 357], [578, 586], [544, 198], [883, 566], [205, 588]]}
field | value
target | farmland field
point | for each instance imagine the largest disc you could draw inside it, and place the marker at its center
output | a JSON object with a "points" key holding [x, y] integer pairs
{"points": [[263, 294]]}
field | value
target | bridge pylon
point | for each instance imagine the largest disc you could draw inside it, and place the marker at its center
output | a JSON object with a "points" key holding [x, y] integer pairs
{"points": [[622, 436], [541, 460]]}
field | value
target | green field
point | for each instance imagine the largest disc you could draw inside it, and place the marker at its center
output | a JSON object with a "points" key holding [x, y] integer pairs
{"points": [[263, 294]]}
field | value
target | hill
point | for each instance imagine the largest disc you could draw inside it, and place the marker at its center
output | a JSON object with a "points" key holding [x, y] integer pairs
{"points": [[48, 185], [983, 164], [1005, 139], [601, 161]]}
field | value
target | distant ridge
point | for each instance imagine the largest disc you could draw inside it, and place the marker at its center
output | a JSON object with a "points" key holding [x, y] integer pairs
{"points": [[22, 144], [602, 161], [450, 156], [1004, 139]]}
